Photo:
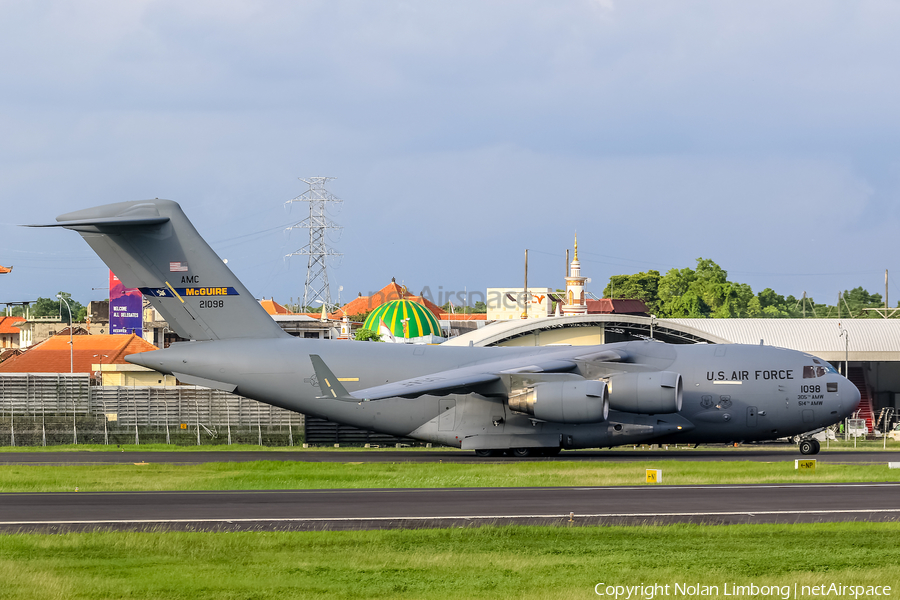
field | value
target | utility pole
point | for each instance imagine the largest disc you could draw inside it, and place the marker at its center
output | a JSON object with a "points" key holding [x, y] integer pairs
{"points": [[887, 312], [318, 224], [525, 314]]}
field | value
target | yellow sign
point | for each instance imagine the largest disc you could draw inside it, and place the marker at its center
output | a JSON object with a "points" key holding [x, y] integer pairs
{"points": [[809, 463], [210, 291], [654, 475], [112, 416], [184, 425]]}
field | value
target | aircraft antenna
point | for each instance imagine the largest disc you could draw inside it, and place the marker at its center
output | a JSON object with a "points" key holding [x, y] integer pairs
{"points": [[318, 224]]}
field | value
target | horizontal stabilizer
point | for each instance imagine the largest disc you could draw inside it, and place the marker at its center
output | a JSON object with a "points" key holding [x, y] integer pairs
{"points": [[106, 222], [329, 384]]}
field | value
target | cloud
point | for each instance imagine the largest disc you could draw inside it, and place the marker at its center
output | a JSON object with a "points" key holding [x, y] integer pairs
{"points": [[465, 130]]}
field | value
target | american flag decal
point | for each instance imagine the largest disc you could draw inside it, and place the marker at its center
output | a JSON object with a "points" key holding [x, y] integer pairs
{"points": [[175, 267]]}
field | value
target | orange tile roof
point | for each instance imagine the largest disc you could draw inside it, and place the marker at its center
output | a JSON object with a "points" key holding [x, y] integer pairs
{"points": [[52, 355], [273, 308], [392, 291], [8, 324], [606, 306]]}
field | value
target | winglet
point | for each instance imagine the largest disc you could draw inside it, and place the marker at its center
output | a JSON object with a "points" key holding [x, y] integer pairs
{"points": [[328, 383]]}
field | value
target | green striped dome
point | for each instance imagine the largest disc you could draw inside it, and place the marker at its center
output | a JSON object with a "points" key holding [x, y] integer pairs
{"points": [[421, 322]]}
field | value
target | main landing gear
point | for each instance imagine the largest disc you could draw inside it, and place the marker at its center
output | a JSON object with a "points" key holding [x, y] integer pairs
{"points": [[519, 452], [809, 446]]}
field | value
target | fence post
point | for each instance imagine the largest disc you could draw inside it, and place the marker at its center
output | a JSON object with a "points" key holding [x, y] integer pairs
{"points": [[137, 440], [228, 418]]}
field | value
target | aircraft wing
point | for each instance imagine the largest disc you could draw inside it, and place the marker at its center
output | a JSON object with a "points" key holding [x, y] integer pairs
{"points": [[445, 382], [462, 380]]}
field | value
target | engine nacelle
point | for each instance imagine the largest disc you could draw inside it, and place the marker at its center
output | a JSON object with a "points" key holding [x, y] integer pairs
{"points": [[655, 392], [584, 401]]}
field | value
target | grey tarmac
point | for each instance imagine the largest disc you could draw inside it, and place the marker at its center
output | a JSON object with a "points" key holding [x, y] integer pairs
{"points": [[765, 454], [304, 510]]}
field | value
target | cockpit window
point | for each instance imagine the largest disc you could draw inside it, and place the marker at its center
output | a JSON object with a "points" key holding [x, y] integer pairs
{"points": [[811, 372], [816, 360]]}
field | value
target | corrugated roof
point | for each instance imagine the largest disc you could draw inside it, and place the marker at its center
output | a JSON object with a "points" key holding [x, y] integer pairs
{"points": [[869, 339], [808, 335]]}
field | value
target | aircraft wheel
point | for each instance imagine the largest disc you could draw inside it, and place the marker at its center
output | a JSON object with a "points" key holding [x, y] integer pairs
{"points": [[807, 447], [484, 453], [816, 446], [551, 451], [521, 452]]}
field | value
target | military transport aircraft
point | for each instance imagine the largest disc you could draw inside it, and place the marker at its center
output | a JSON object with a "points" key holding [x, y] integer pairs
{"points": [[525, 401]]}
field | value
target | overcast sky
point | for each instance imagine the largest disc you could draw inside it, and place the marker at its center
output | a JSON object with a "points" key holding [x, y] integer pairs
{"points": [[763, 135]]}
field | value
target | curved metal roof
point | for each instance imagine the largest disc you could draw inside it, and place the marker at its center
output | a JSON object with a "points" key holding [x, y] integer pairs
{"points": [[501, 331], [867, 339]]}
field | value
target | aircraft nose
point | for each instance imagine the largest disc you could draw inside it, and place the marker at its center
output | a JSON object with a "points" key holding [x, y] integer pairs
{"points": [[854, 396]]}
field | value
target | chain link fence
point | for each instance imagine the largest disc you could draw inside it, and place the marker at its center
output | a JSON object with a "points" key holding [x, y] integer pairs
{"points": [[52, 409]]}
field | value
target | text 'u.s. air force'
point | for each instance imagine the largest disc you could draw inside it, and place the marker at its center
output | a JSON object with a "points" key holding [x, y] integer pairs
{"points": [[763, 374]]}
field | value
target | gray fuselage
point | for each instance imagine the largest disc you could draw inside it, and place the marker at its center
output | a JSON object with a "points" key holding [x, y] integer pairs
{"points": [[732, 393]]}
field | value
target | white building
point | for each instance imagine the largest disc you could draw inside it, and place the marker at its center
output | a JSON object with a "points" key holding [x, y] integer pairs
{"points": [[575, 304], [511, 303]]}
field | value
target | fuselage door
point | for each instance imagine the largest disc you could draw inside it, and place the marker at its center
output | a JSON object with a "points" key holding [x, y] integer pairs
{"points": [[447, 418]]}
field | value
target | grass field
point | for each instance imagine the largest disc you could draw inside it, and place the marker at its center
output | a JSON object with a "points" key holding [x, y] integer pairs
{"points": [[490, 562], [487, 562], [274, 475]]}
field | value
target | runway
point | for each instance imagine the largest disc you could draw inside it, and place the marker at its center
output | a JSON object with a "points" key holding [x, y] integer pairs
{"points": [[763, 454], [304, 510]]}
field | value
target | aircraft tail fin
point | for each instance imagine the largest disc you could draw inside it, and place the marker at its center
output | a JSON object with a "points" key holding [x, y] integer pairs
{"points": [[153, 246]]}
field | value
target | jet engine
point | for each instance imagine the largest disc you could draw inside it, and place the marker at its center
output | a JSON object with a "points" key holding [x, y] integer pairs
{"points": [[583, 401], [655, 392]]}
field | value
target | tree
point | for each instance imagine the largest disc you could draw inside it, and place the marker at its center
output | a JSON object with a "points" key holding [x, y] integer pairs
{"points": [[367, 335], [360, 317], [678, 296], [859, 299], [768, 304], [479, 308], [52, 307], [640, 286], [707, 292]]}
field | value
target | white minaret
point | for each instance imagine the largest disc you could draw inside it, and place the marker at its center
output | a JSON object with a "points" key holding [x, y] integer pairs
{"points": [[575, 304]]}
